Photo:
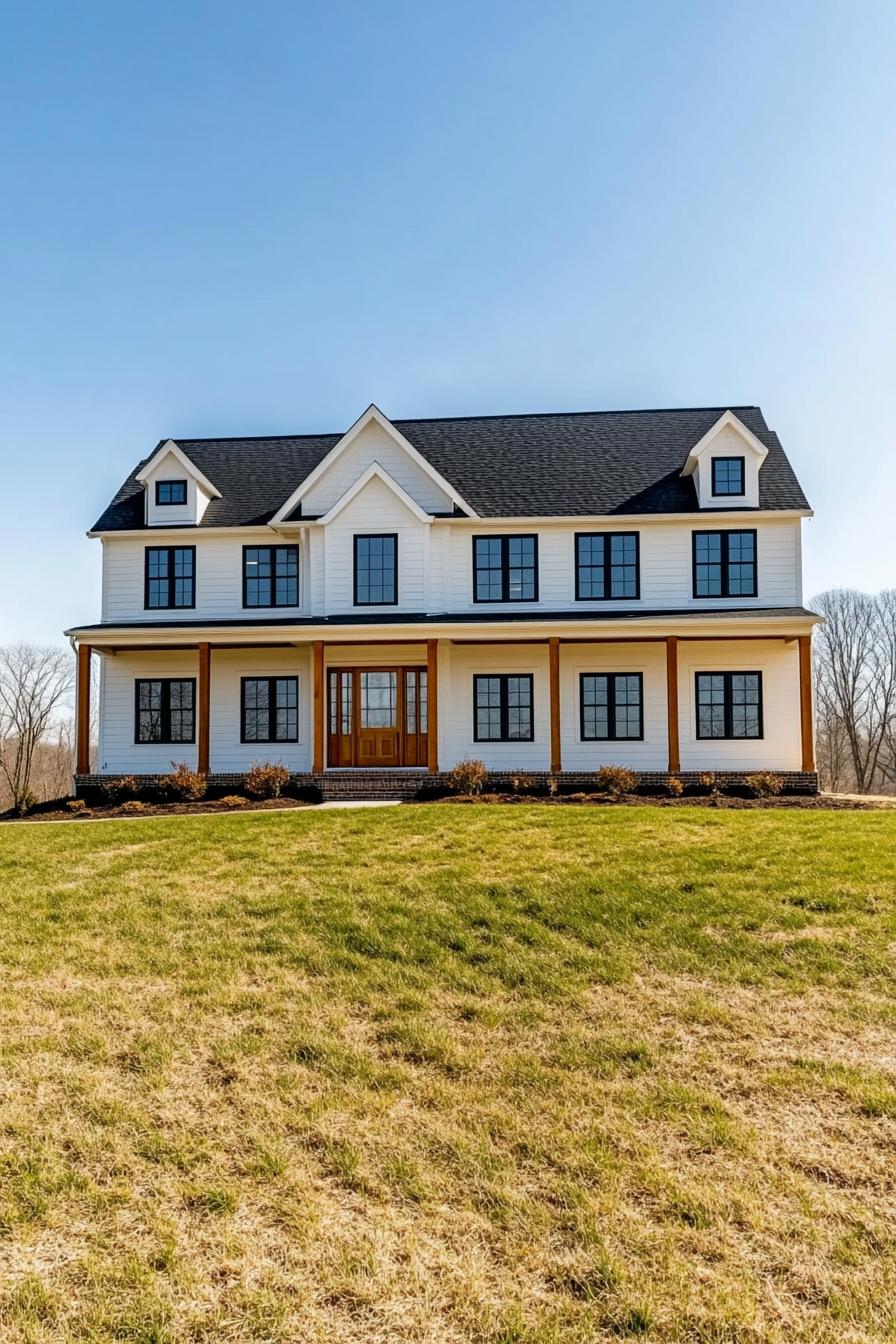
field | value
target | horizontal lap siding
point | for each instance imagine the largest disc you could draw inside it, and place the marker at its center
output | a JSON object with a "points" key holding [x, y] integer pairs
{"points": [[461, 664], [780, 746], [228, 666], [218, 578], [665, 559], [119, 754], [374, 445], [650, 661], [377, 509]]}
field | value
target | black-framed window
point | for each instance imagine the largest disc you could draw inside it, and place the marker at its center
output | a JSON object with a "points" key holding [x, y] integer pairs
{"points": [[269, 709], [270, 576], [376, 570], [170, 576], [611, 706], [729, 704], [171, 492], [505, 569], [164, 710], [728, 475], [725, 564], [502, 708], [607, 566]]}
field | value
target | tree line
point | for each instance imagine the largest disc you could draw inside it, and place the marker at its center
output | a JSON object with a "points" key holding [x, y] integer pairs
{"points": [[855, 689]]}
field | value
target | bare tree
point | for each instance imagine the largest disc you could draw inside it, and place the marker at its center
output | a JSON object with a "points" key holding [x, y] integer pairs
{"points": [[35, 682]]}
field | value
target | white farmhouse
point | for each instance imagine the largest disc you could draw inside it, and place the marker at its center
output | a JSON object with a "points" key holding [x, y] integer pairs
{"points": [[547, 593]]}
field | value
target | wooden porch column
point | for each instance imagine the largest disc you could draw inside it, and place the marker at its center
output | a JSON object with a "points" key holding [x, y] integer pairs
{"points": [[672, 703], [205, 667], [432, 706], [317, 758], [82, 692], [807, 730], [554, 678]]}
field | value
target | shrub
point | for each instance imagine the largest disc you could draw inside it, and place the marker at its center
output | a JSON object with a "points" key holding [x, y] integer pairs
{"points": [[615, 780], [553, 786], [468, 776], [133, 808], [233, 800], [126, 786], [266, 779], [77, 807], [522, 783], [184, 783], [675, 786], [763, 784], [709, 783], [27, 801]]}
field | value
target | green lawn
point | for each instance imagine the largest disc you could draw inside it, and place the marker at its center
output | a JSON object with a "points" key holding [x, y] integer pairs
{"points": [[449, 1074]]}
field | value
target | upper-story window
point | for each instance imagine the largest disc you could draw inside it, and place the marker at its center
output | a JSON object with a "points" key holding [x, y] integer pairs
{"points": [[728, 475], [270, 576], [169, 577], [505, 569], [725, 564], [171, 492], [606, 566], [376, 570]]}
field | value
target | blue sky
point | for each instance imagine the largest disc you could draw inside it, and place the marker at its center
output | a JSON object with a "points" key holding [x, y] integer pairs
{"points": [[229, 218]]}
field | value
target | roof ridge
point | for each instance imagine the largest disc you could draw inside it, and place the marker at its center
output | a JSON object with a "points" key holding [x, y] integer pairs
{"points": [[459, 419]]}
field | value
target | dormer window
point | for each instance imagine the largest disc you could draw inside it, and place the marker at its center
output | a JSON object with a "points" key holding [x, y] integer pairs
{"points": [[728, 476], [171, 492]]}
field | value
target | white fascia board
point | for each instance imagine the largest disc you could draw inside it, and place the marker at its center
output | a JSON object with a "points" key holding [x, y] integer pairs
{"points": [[373, 415], [726, 421], [626, 519], [189, 467], [375, 470]]}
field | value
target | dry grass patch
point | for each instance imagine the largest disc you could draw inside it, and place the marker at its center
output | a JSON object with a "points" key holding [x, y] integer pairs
{"points": [[440, 1074]]}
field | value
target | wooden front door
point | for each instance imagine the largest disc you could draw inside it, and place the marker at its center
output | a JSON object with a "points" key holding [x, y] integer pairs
{"points": [[377, 716]]}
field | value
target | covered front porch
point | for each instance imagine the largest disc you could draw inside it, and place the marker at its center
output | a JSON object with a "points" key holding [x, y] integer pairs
{"points": [[368, 705]]}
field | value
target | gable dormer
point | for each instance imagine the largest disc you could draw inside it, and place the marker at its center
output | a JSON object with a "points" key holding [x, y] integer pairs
{"points": [[372, 442], [177, 494], [725, 465]]}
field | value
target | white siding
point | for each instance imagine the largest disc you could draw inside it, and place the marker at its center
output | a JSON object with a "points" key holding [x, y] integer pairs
{"points": [[218, 578], [650, 661], [728, 443], [373, 444], [375, 509], [779, 747], [118, 753], [228, 666], [463, 662]]}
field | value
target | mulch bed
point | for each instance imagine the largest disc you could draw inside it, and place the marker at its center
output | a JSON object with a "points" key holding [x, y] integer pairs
{"points": [[155, 810], [805, 802]]}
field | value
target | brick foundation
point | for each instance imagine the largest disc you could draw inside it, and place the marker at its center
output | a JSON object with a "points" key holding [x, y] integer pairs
{"points": [[336, 785]]}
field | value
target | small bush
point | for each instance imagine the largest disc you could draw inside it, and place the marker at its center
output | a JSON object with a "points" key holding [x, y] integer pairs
{"points": [[709, 783], [266, 779], [522, 783], [133, 808], [468, 776], [77, 807], [234, 800], [184, 783], [615, 780], [553, 786], [763, 784], [675, 786], [26, 803], [115, 790]]}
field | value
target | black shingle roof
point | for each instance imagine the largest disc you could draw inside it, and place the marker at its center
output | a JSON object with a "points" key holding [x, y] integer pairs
{"points": [[575, 463]]}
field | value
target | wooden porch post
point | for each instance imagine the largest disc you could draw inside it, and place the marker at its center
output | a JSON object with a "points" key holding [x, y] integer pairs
{"points": [[672, 703], [806, 724], [82, 692], [317, 759], [205, 667], [554, 677], [432, 706]]}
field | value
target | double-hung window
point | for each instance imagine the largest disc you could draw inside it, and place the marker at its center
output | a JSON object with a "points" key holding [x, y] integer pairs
{"points": [[171, 492], [376, 570], [270, 709], [169, 577], [165, 710], [610, 706], [505, 569], [502, 708], [270, 576], [606, 566], [725, 564], [729, 704], [728, 475]]}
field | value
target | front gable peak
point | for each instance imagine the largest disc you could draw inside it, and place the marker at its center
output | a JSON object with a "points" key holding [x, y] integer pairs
{"points": [[373, 439]]}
